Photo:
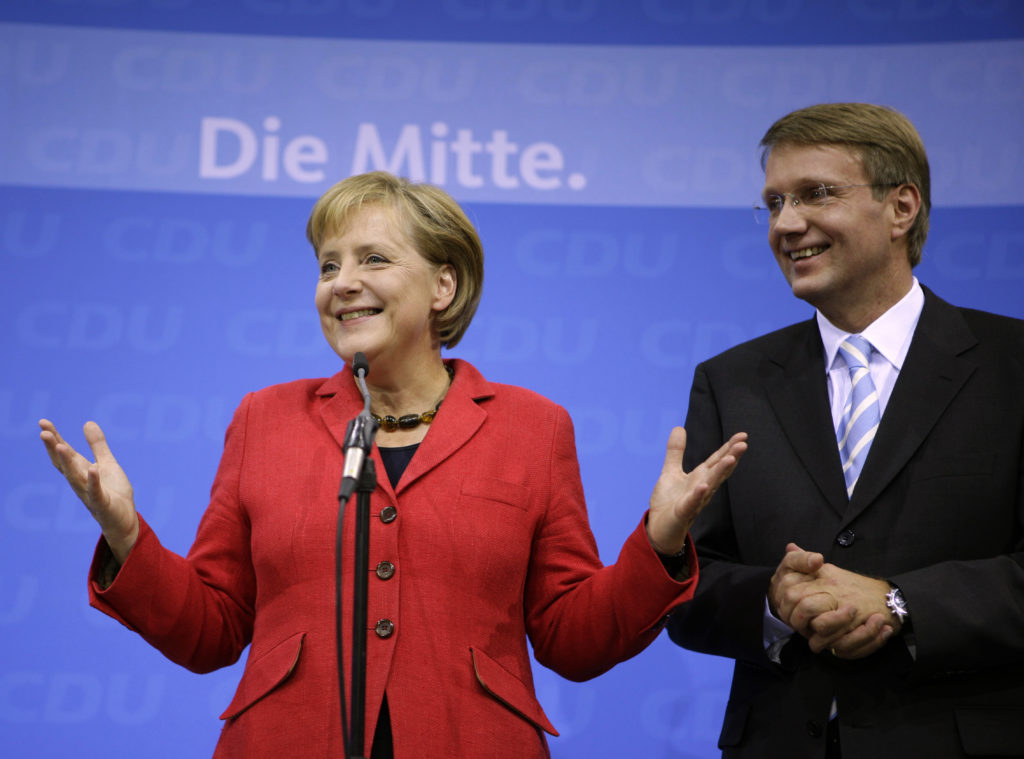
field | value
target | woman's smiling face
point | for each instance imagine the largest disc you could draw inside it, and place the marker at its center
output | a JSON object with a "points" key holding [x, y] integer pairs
{"points": [[377, 294]]}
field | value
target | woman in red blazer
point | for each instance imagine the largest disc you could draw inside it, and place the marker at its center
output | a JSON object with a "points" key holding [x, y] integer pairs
{"points": [[479, 539]]}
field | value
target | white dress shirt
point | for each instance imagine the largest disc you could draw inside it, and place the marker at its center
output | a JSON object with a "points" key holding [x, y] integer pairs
{"points": [[890, 336]]}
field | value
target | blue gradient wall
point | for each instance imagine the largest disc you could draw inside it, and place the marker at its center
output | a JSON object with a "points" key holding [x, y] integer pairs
{"points": [[158, 159]]}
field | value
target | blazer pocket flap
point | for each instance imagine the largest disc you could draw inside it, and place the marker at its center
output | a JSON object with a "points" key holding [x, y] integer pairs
{"points": [[991, 731], [509, 690], [493, 489], [264, 674]]}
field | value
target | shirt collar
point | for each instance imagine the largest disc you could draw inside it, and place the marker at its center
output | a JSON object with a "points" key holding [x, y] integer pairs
{"points": [[889, 334]]}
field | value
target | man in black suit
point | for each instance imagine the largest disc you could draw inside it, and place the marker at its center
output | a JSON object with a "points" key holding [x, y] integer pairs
{"points": [[868, 578]]}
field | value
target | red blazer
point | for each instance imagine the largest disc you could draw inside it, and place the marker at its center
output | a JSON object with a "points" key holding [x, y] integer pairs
{"points": [[490, 546]]}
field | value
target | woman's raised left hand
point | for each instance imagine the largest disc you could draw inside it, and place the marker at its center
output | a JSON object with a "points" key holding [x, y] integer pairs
{"points": [[679, 496]]}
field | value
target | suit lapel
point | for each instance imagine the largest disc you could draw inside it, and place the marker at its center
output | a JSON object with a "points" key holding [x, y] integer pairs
{"points": [[798, 393], [933, 373]]}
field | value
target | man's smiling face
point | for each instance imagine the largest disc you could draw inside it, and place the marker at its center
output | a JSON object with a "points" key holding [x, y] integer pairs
{"points": [[842, 257]]}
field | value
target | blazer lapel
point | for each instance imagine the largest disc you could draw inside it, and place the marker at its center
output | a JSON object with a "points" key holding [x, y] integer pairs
{"points": [[341, 402], [933, 373], [798, 392], [458, 419]]}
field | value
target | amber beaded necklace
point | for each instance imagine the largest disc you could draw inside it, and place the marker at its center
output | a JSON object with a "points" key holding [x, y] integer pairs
{"points": [[408, 421]]}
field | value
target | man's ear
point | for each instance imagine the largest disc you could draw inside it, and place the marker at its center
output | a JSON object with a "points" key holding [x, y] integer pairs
{"points": [[906, 207]]}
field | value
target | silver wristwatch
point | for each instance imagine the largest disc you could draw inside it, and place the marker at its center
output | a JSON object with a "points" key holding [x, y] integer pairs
{"points": [[897, 605]]}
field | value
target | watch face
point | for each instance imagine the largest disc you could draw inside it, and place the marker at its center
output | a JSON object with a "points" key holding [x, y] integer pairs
{"points": [[894, 600]]}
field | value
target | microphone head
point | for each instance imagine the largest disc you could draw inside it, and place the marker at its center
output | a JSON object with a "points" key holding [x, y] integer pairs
{"points": [[360, 364]]}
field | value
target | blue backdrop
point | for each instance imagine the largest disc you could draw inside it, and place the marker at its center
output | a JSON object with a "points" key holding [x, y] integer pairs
{"points": [[158, 159]]}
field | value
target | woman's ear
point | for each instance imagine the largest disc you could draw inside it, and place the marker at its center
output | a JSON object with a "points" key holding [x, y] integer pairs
{"points": [[445, 285]]}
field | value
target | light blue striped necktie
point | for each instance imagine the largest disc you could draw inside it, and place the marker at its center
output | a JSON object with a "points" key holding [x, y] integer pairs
{"points": [[861, 413]]}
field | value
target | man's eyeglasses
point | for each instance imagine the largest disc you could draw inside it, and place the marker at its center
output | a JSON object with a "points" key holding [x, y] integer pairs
{"points": [[810, 197]]}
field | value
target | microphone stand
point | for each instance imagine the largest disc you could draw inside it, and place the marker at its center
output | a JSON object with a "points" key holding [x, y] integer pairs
{"points": [[367, 483], [359, 435]]}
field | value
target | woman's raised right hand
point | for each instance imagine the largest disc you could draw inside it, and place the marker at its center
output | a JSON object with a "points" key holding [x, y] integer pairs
{"points": [[101, 485]]}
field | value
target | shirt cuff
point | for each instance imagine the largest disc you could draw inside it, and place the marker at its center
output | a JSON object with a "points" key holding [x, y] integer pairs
{"points": [[775, 634]]}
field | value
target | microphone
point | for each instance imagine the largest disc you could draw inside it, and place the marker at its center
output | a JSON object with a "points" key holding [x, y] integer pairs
{"points": [[361, 368], [359, 434]]}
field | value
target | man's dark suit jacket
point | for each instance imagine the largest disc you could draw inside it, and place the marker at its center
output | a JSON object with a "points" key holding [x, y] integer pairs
{"points": [[938, 510]]}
